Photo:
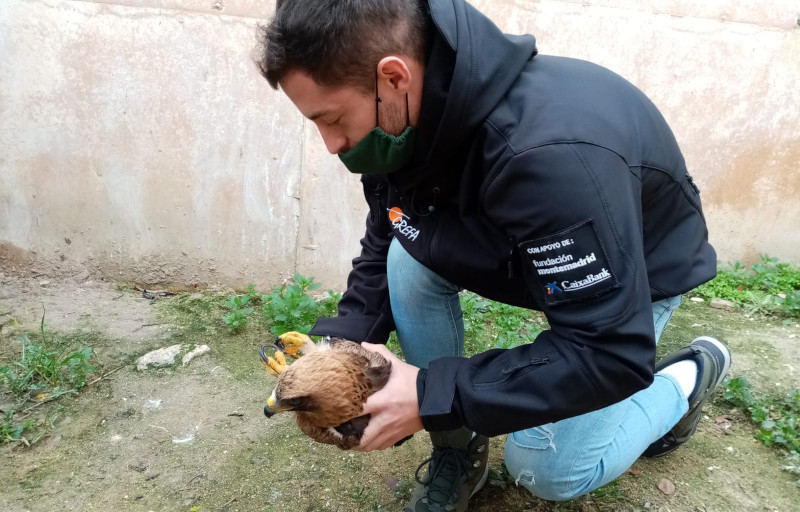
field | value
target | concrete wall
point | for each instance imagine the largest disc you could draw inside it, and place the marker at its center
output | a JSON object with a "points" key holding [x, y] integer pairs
{"points": [[138, 141]]}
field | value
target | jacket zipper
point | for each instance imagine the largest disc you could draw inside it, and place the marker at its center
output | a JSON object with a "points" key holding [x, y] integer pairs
{"points": [[537, 361], [511, 260]]}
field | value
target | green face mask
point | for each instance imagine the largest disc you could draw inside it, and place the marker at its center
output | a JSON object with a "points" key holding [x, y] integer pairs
{"points": [[380, 152]]}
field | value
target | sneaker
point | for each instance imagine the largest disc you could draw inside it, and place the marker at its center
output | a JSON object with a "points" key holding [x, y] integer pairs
{"points": [[457, 469], [713, 362]]}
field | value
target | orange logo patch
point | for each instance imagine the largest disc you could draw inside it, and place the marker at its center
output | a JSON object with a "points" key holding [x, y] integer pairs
{"points": [[395, 214], [400, 223]]}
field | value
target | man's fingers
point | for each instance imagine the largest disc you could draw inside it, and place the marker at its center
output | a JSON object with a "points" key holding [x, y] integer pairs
{"points": [[373, 439], [368, 408], [394, 413]]}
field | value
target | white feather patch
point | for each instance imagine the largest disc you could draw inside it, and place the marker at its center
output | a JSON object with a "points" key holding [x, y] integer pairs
{"points": [[324, 344]]}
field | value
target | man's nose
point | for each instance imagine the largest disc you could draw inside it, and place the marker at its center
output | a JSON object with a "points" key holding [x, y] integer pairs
{"points": [[335, 143]]}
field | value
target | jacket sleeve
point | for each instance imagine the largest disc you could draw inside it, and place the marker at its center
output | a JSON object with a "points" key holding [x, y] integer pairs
{"points": [[574, 212], [364, 312]]}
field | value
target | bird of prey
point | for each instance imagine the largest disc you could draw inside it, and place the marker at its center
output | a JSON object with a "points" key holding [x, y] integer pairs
{"points": [[327, 388]]}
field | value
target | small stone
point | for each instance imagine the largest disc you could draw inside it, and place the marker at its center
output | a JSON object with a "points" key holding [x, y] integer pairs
{"points": [[199, 351], [44, 283], [391, 483], [195, 296], [697, 299], [152, 405], [140, 467], [723, 304], [666, 486], [160, 357]]}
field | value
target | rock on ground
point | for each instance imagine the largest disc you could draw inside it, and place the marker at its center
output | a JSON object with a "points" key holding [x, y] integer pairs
{"points": [[198, 351], [161, 357], [723, 304]]}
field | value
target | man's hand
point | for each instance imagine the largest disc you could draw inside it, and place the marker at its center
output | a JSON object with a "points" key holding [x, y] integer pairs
{"points": [[394, 410]]}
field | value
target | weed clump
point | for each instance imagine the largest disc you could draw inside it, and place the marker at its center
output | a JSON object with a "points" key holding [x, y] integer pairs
{"points": [[767, 287], [240, 308], [777, 418], [287, 308], [46, 369], [291, 308], [489, 324], [44, 366]]}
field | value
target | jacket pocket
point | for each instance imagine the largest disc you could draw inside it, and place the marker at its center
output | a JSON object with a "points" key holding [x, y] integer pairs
{"points": [[518, 369]]}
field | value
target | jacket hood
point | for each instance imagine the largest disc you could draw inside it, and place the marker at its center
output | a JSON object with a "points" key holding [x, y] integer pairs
{"points": [[470, 67]]}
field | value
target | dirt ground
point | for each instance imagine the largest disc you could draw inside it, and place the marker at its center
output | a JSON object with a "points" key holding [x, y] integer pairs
{"points": [[189, 438]]}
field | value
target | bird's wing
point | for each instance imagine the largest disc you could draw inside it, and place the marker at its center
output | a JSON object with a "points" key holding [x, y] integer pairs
{"points": [[378, 368], [328, 435]]}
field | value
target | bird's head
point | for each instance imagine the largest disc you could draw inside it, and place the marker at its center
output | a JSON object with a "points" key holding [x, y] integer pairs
{"points": [[276, 404], [328, 386], [296, 387]]}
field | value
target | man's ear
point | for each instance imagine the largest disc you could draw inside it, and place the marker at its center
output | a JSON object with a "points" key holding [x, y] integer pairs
{"points": [[395, 74]]}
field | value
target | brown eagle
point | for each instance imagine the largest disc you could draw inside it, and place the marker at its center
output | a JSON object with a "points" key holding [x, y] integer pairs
{"points": [[327, 388]]}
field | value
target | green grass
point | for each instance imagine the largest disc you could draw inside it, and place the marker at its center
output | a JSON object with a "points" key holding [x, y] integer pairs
{"points": [[240, 308], [777, 417], [292, 308], [46, 369], [489, 324], [12, 430], [286, 308], [766, 288]]}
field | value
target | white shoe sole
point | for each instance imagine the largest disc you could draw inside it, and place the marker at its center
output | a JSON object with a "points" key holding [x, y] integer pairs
{"points": [[482, 482], [726, 353]]}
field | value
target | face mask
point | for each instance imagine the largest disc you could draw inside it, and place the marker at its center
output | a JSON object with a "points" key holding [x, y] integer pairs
{"points": [[380, 152]]}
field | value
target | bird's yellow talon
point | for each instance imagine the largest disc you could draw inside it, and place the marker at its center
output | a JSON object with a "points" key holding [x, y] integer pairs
{"points": [[293, 343], [276, 365]]}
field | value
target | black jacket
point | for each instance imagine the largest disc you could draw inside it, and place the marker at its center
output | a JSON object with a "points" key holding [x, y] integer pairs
{"points": [[556, 185]]}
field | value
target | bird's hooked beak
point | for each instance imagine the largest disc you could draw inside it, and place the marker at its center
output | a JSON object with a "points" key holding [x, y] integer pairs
{"points": [[270, 410]]}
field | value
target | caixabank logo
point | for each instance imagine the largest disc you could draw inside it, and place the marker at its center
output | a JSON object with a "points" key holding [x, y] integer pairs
{"points": [[552, 288], [400, 223]]}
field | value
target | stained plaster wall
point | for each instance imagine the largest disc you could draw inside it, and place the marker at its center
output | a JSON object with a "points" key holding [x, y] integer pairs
{"points": [[138, 142]]}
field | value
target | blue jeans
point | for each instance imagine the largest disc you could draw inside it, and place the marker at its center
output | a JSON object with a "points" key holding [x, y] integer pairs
{"points": [[557, 461]]}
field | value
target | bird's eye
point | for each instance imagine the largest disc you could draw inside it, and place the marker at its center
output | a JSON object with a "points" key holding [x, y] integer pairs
{"points": [[300, 403]]}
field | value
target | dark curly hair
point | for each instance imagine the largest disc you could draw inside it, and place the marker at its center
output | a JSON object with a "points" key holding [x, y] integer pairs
{"points": [[339, 42]]}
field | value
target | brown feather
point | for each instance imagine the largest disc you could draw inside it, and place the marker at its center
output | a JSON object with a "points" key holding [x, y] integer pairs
{"points": [[327, 391]]}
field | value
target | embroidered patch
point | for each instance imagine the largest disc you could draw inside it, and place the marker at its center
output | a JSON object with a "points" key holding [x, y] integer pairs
{"points": [[568, 266], [400, 223]]}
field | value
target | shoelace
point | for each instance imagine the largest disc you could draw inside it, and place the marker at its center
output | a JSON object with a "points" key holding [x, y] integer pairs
{"points": [[448, 467]]}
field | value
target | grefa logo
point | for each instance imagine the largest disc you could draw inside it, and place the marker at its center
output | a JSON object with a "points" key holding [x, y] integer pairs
{"points": [[400, 223]]}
